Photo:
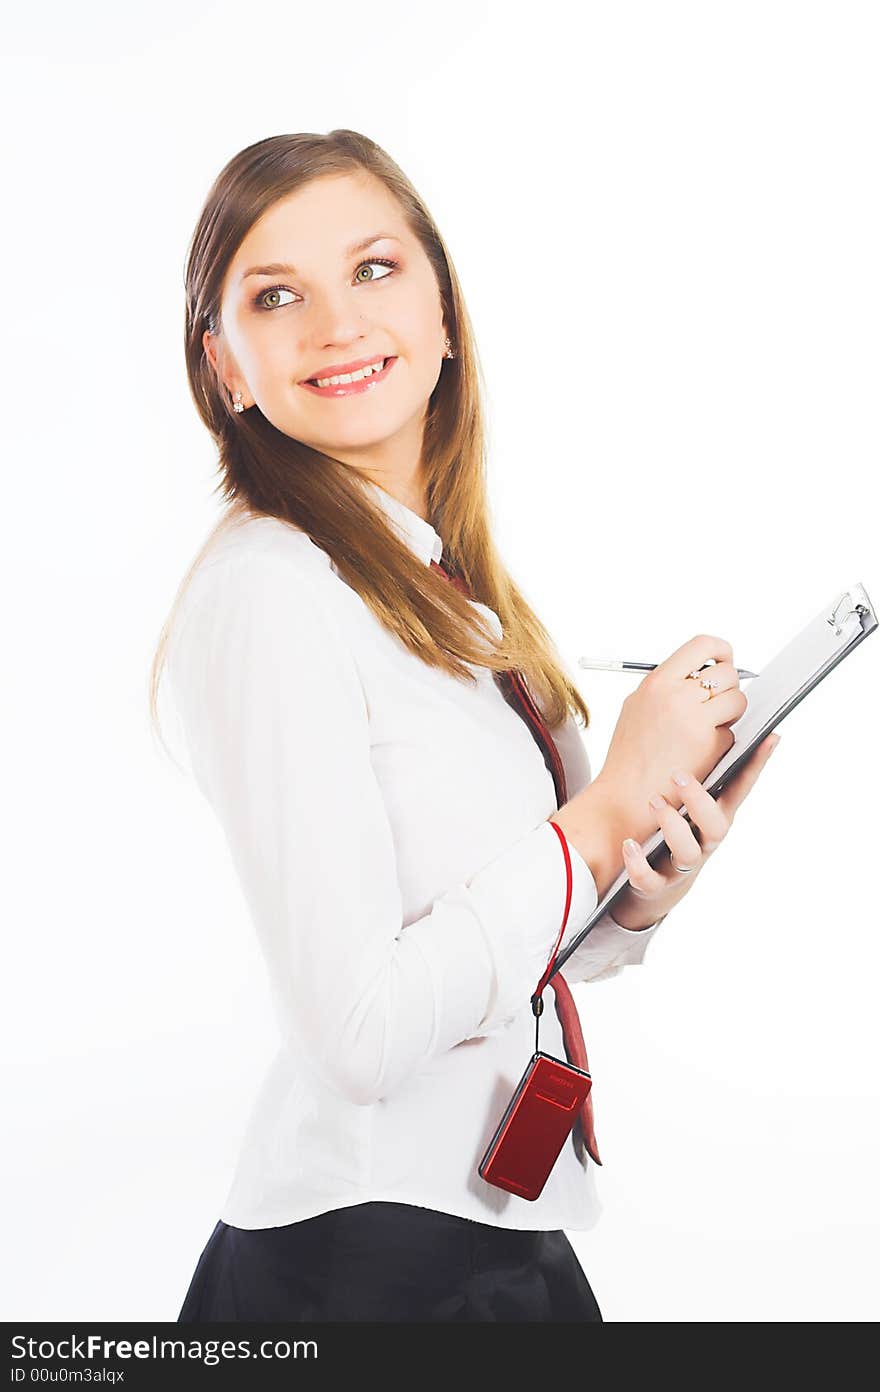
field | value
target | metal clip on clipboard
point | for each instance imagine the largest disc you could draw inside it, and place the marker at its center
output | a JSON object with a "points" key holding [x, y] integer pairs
{"points": [[781, 685], [857, 608]]}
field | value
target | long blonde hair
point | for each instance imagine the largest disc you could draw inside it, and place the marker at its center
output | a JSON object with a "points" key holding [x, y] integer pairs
{"points": [[266, 472]]}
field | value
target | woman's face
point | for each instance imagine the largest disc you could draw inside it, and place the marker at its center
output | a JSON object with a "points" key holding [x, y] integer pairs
{"points": [[299, 298]]}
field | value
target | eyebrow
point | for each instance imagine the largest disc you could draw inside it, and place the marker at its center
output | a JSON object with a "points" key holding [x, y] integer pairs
{"points": [[280, 268]]}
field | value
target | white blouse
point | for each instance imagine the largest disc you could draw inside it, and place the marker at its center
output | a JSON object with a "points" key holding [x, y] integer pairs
{"points": [[389, 826]]}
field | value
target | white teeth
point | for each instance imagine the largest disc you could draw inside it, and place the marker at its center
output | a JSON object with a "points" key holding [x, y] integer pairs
{"points": [[352, 376]]}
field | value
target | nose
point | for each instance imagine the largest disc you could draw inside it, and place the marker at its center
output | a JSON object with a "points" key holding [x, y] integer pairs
{"points": [[331, 319]]}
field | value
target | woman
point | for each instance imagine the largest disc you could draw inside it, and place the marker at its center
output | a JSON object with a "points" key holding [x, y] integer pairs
{"points": [[348, 715]]}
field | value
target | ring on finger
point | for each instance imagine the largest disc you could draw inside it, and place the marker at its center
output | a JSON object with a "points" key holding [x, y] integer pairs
{"points": [[708, 683]]}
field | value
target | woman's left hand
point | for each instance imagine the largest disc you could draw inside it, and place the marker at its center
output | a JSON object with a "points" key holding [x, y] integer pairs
{"points": [[651, 893]]}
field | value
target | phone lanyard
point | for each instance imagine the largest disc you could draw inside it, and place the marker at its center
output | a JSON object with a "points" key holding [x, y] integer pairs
{"points": [[537, 997]]}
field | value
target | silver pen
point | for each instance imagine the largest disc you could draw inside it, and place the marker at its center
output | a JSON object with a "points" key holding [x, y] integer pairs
{"points": [[600, 665]]}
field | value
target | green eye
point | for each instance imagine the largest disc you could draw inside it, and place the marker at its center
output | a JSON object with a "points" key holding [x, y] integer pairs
{"points": [[377, 261], [273, 290]]}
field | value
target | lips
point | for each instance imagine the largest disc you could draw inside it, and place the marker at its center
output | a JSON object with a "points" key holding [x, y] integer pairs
{"points": [[347, 371], [365, 384], [339, 369]]}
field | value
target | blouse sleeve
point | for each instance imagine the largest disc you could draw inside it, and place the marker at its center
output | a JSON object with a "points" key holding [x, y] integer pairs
{"points": [[276, 724]]}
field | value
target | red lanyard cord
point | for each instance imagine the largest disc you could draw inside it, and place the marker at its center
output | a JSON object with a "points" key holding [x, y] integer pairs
{"points": [[537, 1000]]}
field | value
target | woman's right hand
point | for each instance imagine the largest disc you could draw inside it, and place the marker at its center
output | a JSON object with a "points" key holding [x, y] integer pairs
{"points": [[669, 723]]}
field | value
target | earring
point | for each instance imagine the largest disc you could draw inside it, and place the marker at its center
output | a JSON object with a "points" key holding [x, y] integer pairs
{"points": [[449, 353], [236, 405]]}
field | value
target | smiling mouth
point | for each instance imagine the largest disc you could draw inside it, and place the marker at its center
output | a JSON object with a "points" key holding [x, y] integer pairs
{"points": [[359, 376], [350, 385]]}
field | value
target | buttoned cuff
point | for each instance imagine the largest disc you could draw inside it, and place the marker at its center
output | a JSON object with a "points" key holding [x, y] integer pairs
{"points": [[607, 949]]}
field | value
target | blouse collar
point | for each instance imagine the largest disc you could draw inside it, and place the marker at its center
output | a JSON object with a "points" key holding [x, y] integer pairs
{"points": [[414, 530]]}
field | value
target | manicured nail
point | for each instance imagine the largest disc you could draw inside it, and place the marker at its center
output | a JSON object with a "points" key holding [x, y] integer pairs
{"points": [[680, 778], [630, 846], [657, 801]]}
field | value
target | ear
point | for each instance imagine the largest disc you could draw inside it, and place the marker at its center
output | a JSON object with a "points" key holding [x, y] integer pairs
{"points": [[209, 349], [209, 344]]}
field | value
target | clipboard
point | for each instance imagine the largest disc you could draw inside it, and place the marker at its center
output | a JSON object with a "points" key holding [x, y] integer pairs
{"points": [[797, 669]]}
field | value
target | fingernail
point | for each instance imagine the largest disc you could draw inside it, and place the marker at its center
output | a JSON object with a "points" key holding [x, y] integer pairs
{"points": [[657, 801], [630, 846], [680, 778]]}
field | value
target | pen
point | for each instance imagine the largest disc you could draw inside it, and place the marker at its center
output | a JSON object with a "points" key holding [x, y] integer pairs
{"points": [[599, 665]]}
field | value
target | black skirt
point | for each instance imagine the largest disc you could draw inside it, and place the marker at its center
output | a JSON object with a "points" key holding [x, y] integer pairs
{"points": [[389, 1262]]}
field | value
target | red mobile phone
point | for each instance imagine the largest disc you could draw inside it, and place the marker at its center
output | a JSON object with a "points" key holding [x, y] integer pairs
{"points": [[539, 1116]]}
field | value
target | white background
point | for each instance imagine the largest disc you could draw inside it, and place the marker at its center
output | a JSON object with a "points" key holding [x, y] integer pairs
{"points": [[665, 218]]}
